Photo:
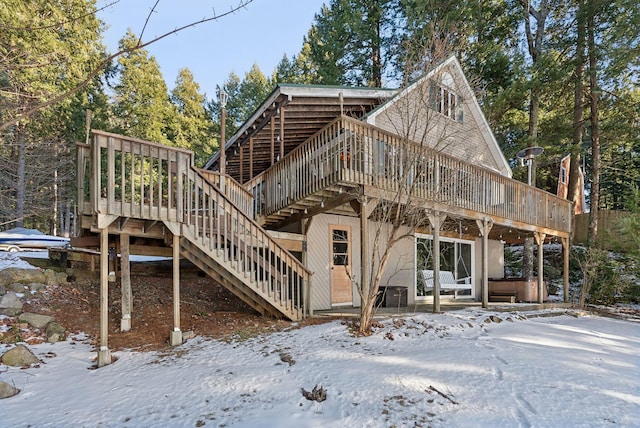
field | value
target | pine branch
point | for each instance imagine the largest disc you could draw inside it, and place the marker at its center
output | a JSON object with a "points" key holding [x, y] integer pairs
{"points": [[5, 125]]}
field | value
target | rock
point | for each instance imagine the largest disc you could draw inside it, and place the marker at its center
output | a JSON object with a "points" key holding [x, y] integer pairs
{"points": [[50, 277], [36, 286], [7, 390], [17, 287], [19, 356], [10, 304], [25, 276], [35, 320], [186, 335], [55, 332], [2, 289], [61, 278]]}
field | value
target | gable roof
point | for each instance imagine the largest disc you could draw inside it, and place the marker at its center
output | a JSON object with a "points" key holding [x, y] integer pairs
{"points": [[452, 66]]}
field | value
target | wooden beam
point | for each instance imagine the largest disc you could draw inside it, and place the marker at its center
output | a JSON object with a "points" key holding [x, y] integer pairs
{"points": [[539, 237], [281, 133], [250, 159], [176, 334], [484, 226], [566, 248], [104, 355], [318, 209], [273, 139], [125, 284], [436, 219]]}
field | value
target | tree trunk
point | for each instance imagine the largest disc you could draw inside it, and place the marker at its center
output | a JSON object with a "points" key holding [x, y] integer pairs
{"points": [[20, 174], [595, 130], [573, 192]]}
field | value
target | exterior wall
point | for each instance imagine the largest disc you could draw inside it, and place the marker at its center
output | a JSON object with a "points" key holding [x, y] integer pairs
{"points": [[318, 257], [496, 263], [400, 268], [411, 115]]}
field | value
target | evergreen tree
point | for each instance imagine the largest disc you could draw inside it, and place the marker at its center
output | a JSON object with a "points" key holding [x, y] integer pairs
{"points": [[192, 128], [141, 106], [46, 49], [352, 42]]}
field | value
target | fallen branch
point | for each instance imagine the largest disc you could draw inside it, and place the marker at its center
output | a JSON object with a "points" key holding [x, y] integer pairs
{"points": [[433, 388]]}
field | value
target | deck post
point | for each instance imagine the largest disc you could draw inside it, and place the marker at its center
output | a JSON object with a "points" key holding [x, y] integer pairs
{"points": [[565, 267], [104, 355], [176, 333], [540, 242], [485, 227], [365, 260], [436, 219], [125, 283]]}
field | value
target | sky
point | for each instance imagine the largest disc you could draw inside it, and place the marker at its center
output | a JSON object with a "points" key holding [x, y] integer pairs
{"points": [[260, 33]]}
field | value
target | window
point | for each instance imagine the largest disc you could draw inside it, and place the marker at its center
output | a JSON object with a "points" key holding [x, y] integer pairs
{"points": [[445, 101], [456, 256]]}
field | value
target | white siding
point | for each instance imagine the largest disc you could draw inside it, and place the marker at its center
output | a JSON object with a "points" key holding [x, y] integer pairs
{"points": [[496, 263], [399, 271]]}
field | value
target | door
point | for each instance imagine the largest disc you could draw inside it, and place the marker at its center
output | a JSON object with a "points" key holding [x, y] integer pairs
{"points": [[341, 287]]}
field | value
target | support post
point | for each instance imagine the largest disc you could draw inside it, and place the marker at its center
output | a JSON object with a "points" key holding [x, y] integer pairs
{"points": [[485, 227], [125, 283], [540, 242], [273, 140], [436, 219], [565, 268], [364, 250], [176, 333], [281, 133], [104, 355]]}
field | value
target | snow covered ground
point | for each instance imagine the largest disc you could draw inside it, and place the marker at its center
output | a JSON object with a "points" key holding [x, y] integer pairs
{"points": [[545, 369], [447, 370]]}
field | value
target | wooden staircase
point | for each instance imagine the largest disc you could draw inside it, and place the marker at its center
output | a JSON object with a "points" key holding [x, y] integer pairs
{"points": [[124, 178]]}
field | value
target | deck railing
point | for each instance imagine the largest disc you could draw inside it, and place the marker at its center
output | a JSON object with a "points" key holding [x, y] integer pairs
{"points": [[351, 152], [232, 189], [138, 179]]}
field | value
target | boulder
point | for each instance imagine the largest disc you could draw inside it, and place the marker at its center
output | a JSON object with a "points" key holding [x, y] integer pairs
{"points": [[55, 332], [36, 286], [7, 390], [19, 356], [35, 320], [17, 287], [25, 276], [50, 277], [10, 304], [2, 289], [61, 277]]}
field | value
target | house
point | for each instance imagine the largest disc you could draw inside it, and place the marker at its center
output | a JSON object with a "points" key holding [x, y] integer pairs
{"points": [[310, 154], [295, 221]]}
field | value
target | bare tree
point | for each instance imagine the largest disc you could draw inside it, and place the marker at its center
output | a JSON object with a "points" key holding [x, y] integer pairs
{"points": [[404, 168]]}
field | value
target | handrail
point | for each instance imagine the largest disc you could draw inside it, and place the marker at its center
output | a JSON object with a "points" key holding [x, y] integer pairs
{"points": [[139, 179], [350, 152], [232, 189]]}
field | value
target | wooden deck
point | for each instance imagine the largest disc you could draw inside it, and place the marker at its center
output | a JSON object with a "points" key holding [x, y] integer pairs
{"points": [[351, 157], [148, 190]]}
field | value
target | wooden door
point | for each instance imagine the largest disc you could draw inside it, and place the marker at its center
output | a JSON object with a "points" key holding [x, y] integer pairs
{"points": [[341, 287]]}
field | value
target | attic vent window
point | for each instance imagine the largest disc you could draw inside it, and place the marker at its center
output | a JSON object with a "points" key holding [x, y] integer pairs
{"points": [[445, 101]]}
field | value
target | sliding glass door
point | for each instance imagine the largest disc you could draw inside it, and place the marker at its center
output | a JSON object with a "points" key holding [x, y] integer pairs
{"points": [[456, 256]]}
